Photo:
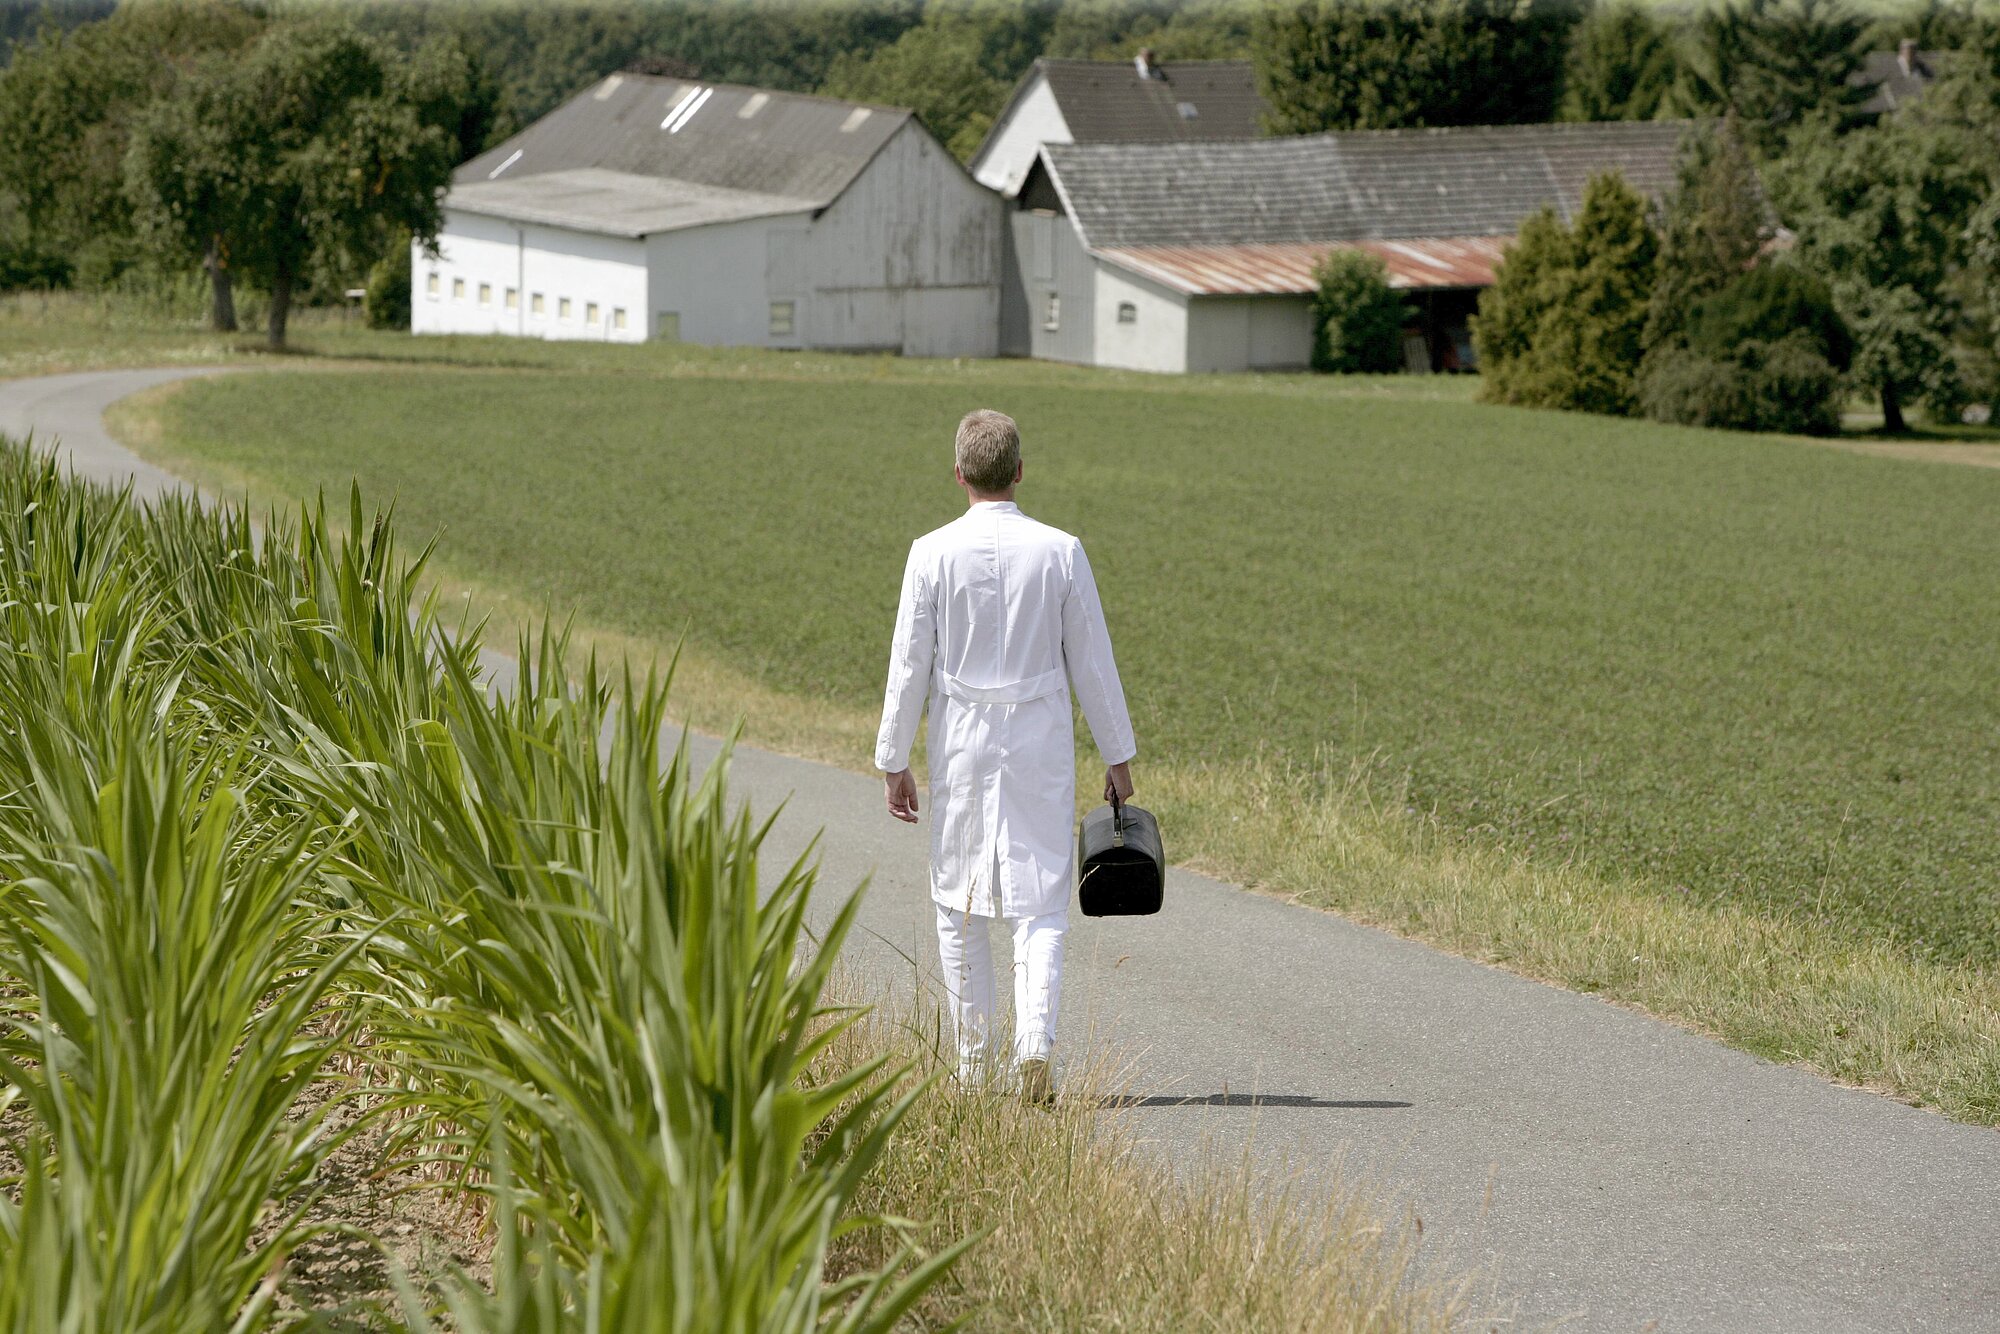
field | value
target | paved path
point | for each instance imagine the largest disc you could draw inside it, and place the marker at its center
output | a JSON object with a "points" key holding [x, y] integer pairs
{"points": [[1609, 1170]]}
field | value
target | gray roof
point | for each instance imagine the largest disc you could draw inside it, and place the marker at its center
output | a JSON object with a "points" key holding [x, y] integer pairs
{"points": [[615, 203], [729, 137], [1105, 101], [1898, 77], [1351, 186]]}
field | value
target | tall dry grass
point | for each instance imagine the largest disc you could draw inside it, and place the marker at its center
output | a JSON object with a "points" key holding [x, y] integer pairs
{"points": [[1086, 1228]]}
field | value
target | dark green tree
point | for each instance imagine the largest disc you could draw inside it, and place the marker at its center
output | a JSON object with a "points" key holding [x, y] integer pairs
{"points": [[1370, 64], [1357, 316], [954, 69], [935, 70], [1560, 327], [1117, 29], [1934, 25], [1712, 227], [308, 152], [1883, 215], [450, 86], [1621, 65], [68, 101], [387, 303], [1775, 64]]}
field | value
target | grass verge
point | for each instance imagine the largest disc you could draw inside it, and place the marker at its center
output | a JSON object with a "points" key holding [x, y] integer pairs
{"points": [[1086, 1231]]}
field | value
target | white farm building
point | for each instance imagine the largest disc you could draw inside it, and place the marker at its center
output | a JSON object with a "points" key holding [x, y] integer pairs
{"points": [[1199, 255], [666, 208]]}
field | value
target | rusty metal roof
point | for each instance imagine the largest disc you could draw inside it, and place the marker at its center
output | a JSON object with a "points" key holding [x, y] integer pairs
{"points": [[1415, 263]]}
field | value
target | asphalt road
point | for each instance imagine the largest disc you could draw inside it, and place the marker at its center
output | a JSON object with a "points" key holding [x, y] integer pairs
{"points": [[1602, 1169]]}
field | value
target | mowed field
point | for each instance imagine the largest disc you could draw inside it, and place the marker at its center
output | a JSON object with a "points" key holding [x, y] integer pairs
{"points": [[1722, 669]]}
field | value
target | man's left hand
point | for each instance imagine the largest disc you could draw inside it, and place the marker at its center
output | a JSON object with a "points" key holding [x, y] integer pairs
{"points": [[902, 792]]}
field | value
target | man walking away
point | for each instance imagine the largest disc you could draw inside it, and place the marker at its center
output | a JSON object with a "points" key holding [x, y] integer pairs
{"points": [[999, 620]]}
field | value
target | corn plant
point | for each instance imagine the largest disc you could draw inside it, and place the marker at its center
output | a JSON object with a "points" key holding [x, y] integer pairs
{"points": [[162, 973], [262, 773]]}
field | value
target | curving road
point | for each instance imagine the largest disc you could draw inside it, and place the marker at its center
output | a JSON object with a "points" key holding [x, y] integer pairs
{"points": [[1605, 1170]]}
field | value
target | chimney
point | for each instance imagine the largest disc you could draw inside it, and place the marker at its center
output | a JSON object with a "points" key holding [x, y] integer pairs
{"points": [[1906, 55], [1144, 63]]}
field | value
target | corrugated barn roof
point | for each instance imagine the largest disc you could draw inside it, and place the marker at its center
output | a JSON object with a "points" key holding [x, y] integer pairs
{"points": [[615, 203], [1352, 186], [751, 140], [1264, 269]]}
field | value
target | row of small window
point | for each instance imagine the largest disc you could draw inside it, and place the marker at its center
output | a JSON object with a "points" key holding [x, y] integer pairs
{"points": [[537, 304]]}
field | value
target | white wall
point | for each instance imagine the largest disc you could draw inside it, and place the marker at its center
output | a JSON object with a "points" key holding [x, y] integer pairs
{"points": [[1156, 339], [495, 255], [1004, 159], [1239, 333], [716, 280], [1281, 331], [907, 259]]}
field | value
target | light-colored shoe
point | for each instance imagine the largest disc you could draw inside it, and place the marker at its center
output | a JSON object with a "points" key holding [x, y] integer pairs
{"points": [[1037, 1090]]}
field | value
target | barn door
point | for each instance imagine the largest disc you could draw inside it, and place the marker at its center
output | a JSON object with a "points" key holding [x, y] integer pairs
{"points": [[785, 286]]}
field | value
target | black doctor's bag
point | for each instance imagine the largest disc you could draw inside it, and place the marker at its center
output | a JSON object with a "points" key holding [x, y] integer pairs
{"points": [[1121, 867]]}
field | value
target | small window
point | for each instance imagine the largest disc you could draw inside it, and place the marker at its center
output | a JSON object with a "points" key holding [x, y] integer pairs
{"points": [[667, 326], [618, 317], [537, 306], [431, 286], [1128, 313], [458, 289], [486, 294], [1052, 312], [782, 313], [590, 313], [513, 298], [562, 308]]}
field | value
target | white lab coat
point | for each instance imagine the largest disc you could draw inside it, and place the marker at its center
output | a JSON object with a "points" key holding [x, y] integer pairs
{"points": [[999, 619]]}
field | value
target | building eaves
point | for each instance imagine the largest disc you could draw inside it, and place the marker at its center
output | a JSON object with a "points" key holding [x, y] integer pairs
{"points": [[1413, 264]]}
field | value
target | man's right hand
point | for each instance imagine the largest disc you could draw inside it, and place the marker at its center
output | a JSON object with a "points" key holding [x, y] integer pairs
{"points": [[1118, 782], [902, 791]]}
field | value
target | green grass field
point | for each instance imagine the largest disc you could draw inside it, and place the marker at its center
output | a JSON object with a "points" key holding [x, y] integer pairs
{"points": [[1726, 669]]}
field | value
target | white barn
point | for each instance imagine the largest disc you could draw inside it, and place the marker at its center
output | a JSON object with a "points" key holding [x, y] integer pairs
{"points": [[658, 208]]}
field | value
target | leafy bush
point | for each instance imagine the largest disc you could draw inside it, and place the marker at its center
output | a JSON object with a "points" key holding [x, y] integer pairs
{"points": [[1764, 353], [1560, 327], [388, 299], [1357, 316], [1787, 385]]}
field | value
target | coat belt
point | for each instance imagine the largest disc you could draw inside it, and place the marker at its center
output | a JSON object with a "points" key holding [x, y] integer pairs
{"points": [[1019, 692]]}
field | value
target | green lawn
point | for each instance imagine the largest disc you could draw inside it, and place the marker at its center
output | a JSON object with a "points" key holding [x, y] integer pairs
{"points": [[1727, 669]]}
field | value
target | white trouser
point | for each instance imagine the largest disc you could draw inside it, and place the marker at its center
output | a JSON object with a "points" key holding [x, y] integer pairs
{"points": [[967, 956]]}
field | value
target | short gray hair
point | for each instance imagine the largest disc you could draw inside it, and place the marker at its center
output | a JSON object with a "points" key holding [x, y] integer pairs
{"points": [[988, 450]]}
